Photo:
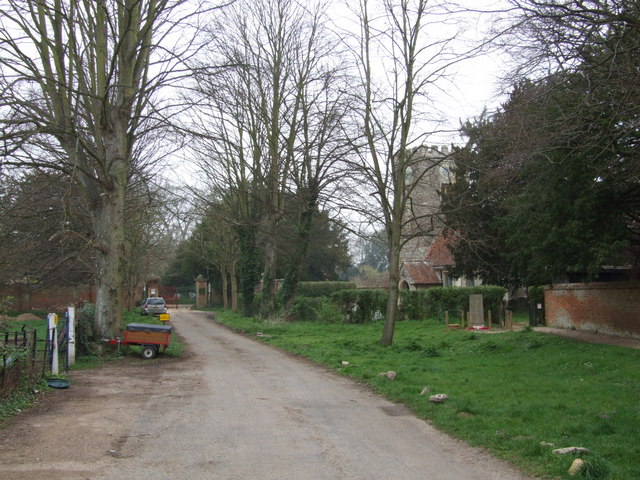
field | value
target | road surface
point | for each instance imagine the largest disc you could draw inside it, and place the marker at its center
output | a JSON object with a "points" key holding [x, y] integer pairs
{"points": [[232, 409]]}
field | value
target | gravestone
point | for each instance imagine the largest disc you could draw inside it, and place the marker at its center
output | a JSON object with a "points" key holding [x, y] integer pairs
{"points": [[476, 310]]}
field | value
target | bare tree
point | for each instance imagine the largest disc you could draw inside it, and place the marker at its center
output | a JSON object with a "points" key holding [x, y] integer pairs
{"points": [[412, 41], [270, 122], [41, 218], [217, 244], [79, 87]]}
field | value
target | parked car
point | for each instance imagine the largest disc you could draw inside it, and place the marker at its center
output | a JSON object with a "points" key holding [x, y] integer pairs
{"points": [[153, 306]]}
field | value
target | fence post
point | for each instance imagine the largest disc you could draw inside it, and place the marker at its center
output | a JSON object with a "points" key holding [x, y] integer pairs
{"points": [[71, 336], [53, 341], [34, 349]]}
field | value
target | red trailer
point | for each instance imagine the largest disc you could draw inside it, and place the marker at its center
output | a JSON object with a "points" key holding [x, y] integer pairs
{"points": [[150, 338]]}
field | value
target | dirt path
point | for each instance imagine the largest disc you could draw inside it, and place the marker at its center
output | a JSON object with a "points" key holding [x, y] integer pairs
{"points": [[231, 409]]}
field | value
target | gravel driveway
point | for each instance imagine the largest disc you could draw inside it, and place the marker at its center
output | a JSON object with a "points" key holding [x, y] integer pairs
{"points": [[232, 408]]}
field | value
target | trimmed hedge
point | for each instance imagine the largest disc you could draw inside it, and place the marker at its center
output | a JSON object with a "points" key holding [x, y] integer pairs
{"points": [[433, 302], [322, 289], [360, 306]]}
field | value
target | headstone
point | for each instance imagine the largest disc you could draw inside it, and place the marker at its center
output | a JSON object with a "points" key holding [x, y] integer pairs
{"points": [[476, 310]]}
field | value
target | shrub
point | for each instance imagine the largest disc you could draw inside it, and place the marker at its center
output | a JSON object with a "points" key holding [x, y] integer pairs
{"points": [[360, 306], [536, 294], [413, 303], [329, 313], [318, 309], [85, 330], [305, 308]]}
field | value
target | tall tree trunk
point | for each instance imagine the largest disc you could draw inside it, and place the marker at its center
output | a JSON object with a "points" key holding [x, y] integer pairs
{"points": [[268, 300], [234, 289], [110, 272], [299, 258], [225, 288], [248, 267], [394, 230], [394, 278]]}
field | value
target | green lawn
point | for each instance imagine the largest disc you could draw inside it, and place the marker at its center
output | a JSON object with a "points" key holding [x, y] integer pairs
{"points": [[508, 392]]}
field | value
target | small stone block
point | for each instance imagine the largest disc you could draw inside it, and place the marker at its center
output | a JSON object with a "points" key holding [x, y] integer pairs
{"points": [[438, 398], [576, 467], [570, 450]]}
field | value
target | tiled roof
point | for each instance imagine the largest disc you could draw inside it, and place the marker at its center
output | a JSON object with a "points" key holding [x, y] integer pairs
{"points": [[420, 273], [438, 254]]}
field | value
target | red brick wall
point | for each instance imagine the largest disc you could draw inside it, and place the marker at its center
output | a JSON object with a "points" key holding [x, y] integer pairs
{"points": [[48, 299], [612, 308]]}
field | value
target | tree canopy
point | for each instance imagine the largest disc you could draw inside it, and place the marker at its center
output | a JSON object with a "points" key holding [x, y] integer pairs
{"points": [[549, 185]]}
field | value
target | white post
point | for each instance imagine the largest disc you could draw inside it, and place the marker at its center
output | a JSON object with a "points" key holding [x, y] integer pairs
{"points": [[53, 338], [71, 349]]}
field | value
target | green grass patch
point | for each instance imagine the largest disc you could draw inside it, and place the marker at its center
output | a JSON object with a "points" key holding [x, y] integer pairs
{"points": [[40, 325], [508, 392]]}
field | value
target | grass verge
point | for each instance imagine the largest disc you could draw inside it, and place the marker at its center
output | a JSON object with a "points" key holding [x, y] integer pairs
{"points": [[517, 394]]}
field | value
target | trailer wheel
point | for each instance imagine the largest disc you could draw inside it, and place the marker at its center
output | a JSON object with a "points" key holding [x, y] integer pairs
{"points": [[148, 352]]}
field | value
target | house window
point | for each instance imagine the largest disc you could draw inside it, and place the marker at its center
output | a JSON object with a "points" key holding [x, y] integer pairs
{"points": [[470, 282]]}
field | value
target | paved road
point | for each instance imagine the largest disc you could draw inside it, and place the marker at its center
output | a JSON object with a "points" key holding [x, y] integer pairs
{"points": [[239, 409]]}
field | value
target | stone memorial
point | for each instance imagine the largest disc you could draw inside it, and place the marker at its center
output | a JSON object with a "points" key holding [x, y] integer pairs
{"points": [[476, 311]]}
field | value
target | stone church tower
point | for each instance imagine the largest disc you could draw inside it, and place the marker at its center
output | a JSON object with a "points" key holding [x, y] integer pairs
{"points": [[428, 175]]}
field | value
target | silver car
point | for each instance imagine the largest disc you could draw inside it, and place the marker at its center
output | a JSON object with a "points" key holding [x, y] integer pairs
{"points": [[153, 306]]}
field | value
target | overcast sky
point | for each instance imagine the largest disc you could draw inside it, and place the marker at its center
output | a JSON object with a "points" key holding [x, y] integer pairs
{"points": [[472, 84]]}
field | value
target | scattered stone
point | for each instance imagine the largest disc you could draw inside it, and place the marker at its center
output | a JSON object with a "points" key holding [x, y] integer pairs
{"points": [[263, 335], [547, 444], [570, 450], [465, 415], [390, 374], [439, 398], [425, 390], [575, 468], [345, 363]]}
